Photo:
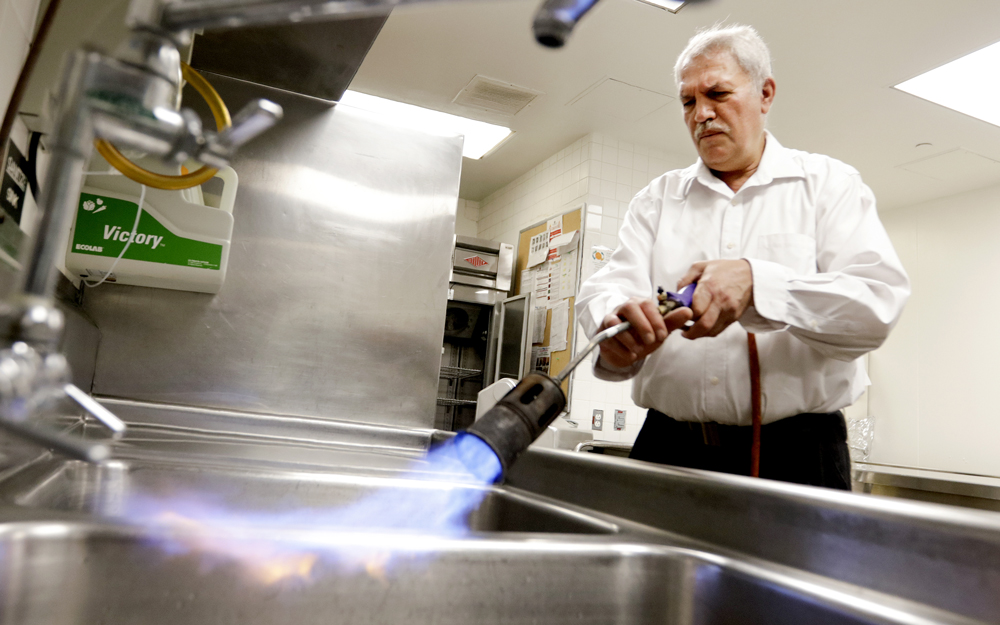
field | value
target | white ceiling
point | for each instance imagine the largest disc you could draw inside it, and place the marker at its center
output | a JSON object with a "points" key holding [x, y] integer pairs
{"points": [[834, 63]]}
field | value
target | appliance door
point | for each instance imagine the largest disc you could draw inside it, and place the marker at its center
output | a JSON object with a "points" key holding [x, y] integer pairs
{"points": [[513, 351]]}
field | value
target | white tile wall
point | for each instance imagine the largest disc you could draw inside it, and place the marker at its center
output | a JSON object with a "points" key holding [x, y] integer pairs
{"points": [[467, 219], [17, 25], [605, 173]]}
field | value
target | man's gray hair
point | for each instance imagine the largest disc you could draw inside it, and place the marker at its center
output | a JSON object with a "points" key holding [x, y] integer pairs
{"points": [[741, 41]]}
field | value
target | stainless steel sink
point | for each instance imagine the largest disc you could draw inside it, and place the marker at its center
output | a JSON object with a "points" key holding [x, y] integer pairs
{"points": [[63, 573], [110, 489], [571, 538]]}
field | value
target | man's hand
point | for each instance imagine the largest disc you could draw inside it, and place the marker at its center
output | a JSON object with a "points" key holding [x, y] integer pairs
{"points": [[649, 330], [724, 292]]}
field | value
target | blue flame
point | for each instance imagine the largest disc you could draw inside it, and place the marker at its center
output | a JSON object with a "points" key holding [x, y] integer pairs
{"points": [[431, 500]]}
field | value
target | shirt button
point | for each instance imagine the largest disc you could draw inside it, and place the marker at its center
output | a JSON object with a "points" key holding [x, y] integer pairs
{"points": [[730, 246], [734, 202], [813, 324], [714, 381]]}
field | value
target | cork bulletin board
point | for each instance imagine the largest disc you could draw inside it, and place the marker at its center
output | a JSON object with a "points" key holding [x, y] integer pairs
{"points": [[572, 220]]}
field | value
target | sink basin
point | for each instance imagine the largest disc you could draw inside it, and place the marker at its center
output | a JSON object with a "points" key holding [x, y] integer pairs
{"points": [[110, 489], [57, 573]]}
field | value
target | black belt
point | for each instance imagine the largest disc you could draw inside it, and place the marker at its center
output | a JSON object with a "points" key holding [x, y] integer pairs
{"points": [[723, 435]]}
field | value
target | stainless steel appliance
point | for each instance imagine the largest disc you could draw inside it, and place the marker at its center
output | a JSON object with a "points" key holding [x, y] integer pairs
{"points": [[474, 323]]}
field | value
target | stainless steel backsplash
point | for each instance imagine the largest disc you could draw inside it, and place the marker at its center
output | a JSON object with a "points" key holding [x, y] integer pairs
{"points": [[334, 302]]}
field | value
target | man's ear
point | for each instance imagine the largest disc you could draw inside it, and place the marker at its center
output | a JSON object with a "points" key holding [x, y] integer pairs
{"points": [[767, 95]]}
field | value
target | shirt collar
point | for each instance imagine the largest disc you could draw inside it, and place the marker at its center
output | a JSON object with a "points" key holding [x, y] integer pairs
{"points": [[775, 163]]}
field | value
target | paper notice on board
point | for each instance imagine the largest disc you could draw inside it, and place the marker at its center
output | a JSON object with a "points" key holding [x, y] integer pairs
{"points": [[541, 357], [555, 230], [559, 326], [567, 278], [566, 240], [538, 330], [600, 256], [555, 280], [538, 249], [527, 282], [542, 284]]}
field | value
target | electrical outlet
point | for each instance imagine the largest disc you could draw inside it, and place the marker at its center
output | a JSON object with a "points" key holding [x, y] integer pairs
{"points": [[597, 422], [619, 420]]}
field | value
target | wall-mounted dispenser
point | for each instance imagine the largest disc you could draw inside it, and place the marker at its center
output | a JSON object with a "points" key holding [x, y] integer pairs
{"points": [[181, 241]]}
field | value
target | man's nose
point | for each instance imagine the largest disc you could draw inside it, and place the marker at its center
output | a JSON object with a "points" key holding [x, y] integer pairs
{"points": [[703, 111]]}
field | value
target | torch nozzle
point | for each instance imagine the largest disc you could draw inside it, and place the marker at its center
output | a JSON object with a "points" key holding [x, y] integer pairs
{"points": [[522, 415]]}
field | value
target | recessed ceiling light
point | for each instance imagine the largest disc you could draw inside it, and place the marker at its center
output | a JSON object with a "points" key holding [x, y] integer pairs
{"points": [[960, 85], [480, 138], [671, 5]]}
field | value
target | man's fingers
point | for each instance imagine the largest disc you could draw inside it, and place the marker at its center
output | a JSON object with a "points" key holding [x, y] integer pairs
{"points": [[704, 324], [629, 340], [692, 274], [652, 312], [634, 313], [614, 353], [677, 318], [701, 300]]}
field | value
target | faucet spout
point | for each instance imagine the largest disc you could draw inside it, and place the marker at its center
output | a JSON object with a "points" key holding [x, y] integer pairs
{"points": [[556, 20]]}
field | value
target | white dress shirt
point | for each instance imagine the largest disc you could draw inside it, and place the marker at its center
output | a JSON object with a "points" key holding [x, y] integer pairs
{"points": [[827, 286]]}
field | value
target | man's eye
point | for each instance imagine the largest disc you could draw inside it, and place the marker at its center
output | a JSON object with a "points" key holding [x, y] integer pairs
{"points": [[687, 103]]}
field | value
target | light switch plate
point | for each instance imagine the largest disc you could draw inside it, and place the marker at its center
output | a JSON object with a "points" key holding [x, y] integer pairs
{"points": [[619, 420], [597, 422]]}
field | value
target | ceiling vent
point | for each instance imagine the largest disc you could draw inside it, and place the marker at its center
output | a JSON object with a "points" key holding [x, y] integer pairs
{"points": [[495, 96]]}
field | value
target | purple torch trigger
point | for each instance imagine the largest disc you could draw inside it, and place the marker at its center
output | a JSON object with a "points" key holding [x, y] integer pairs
{"points": [[671, 301]]}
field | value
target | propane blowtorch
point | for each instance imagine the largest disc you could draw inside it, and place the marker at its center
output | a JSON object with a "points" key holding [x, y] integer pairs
{"points": [[522, 414]]}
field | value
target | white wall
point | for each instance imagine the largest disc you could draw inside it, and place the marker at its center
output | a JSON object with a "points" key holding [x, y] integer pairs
{"points": [[467, 219], [17, 27], [605, 174], [935, 389]]}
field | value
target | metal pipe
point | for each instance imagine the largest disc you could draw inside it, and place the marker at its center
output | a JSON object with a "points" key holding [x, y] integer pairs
{"points": [[69, 147]]}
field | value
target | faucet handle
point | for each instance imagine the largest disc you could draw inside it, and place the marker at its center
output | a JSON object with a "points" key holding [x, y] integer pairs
{"points": [[252, 120], [74, 448], [96, 410]]}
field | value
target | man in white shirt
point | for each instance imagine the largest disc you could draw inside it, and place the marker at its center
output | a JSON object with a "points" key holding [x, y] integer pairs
{"points": [[783, 244]]}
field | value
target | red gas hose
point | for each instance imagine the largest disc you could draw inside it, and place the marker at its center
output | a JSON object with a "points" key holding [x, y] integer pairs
{"points": [[754, 404]]}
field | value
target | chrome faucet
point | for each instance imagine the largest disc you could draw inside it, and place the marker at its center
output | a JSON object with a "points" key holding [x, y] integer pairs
{"points": [[132, 99]]}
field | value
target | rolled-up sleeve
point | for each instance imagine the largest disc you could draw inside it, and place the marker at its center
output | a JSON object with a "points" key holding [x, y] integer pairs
{"points": [[849, 306]]}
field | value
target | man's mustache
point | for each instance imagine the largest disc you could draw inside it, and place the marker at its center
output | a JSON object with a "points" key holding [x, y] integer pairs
{"points": [[709, 126]]}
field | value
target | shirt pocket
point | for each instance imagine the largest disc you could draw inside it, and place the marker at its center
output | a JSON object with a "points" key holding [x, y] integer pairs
{"points": [[797, 251]]}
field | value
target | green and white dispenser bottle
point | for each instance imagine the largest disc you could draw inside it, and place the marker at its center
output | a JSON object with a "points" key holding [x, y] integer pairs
{"points": [[181, 242]]}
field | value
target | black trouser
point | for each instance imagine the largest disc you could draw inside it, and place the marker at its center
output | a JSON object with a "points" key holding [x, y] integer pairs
{"points": [[804, 449]]}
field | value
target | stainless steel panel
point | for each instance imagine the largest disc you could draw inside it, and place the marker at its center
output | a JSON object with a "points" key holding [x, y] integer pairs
{"points": [[474, 294], [315, 59], [334, 302], [505, 268], [475, 243], [482, 283]]}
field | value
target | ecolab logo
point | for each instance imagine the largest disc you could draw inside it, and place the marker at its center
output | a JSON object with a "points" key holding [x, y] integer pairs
{"points": [[89, 248]]}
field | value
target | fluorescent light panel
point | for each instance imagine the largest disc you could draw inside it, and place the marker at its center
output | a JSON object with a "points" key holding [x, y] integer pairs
{"points": [[671, 5], [965, 85], [480, 138]]}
